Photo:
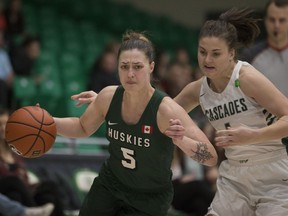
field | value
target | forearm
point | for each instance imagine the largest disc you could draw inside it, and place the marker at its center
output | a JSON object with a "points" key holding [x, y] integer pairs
{"points": [[276, 130], [202, 152], [70, 127]]}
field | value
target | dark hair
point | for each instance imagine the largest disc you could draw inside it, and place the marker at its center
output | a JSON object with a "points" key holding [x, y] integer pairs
{"points": [[135, 40], [4, 111], [29, 39], [236, 26], [278, 3]]}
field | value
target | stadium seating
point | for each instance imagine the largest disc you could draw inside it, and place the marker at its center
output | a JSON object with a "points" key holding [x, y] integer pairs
{"points": [[24, 89]]}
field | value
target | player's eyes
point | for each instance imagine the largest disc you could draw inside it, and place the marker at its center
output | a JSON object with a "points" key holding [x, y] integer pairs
{"points": [[282, 20], [124, 67], [216, 54], [138, 67], [202, 52]]}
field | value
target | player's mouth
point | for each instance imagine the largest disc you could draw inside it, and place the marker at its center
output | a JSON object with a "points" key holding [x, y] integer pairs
{"points": [[208, 68], [131, 82]]}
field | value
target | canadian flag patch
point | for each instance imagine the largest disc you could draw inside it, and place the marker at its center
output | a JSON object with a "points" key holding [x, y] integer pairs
{"points": [[147, 129]]}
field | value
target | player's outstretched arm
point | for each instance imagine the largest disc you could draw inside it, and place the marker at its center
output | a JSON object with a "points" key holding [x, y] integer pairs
{"points": [[91, 119], [176, 123]]}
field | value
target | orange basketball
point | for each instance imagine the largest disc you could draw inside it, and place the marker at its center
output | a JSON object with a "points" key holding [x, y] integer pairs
{"points": [[30, 131]]}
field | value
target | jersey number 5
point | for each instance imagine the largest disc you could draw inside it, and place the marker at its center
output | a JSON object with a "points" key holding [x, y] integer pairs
{"points": [[129, 161]]}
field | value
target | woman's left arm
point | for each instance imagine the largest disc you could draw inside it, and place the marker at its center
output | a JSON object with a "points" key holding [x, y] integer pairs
{"points": [[258, 87], [174, 122]]}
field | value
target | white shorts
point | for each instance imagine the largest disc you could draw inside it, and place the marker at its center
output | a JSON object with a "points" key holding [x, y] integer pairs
{"points": [[254, 187]]}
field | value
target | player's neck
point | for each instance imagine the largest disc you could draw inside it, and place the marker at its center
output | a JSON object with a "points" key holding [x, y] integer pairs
{"points": [[279, 45], [138, 98]]}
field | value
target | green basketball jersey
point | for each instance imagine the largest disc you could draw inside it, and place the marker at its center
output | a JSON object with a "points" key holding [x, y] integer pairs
{"points": [[140, 155]]}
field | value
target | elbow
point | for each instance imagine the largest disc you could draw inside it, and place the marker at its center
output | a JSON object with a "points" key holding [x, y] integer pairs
{"points": [[213, 161], [84, 132]]}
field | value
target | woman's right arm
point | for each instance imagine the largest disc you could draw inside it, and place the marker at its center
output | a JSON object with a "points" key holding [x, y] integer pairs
{"points": [[188, 98], [90, 120]]}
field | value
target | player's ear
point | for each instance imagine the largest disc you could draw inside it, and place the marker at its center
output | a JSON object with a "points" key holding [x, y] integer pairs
{"points": [[232, 54], [152, 65]]}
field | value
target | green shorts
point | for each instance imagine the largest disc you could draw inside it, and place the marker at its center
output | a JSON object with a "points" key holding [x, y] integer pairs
{"points": [[111, 198]]}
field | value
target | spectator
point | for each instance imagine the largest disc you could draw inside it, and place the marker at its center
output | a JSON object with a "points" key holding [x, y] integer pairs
{"points": [[182, 57], [270, 56], [15, 21], [177, 77], [14, 182], [24, 57], [162, 61], [3, 23], [12, 208], [113, 46], [6, 74], [103, 72]]}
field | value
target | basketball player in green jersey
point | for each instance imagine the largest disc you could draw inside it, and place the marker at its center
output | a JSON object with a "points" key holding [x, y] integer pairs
{"points": [[136, 178]]}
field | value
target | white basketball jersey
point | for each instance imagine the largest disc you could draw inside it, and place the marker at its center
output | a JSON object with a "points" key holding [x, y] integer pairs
{"points": [[233, 108]]}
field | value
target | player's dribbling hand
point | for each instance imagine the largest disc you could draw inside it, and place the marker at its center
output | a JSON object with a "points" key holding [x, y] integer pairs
{"points": [[175, 131], [85, 97]]}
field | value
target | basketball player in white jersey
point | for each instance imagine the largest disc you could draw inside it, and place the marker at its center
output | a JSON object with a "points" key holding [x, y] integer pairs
{"points": [[250, 115]]}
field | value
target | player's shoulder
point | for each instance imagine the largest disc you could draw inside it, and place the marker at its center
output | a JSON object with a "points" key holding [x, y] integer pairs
{"points": [[169, 106], [105, 96], [247, 69], [107, 91], [193, 88]]}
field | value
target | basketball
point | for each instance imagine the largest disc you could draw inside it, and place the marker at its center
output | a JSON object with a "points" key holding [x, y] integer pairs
{"points": [[30, 131]]}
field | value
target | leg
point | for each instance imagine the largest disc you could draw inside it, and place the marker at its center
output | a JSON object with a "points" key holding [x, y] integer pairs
{"points": [[226, 202], [99, 201], [141, 204], [232, 196], [272, 196]]}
